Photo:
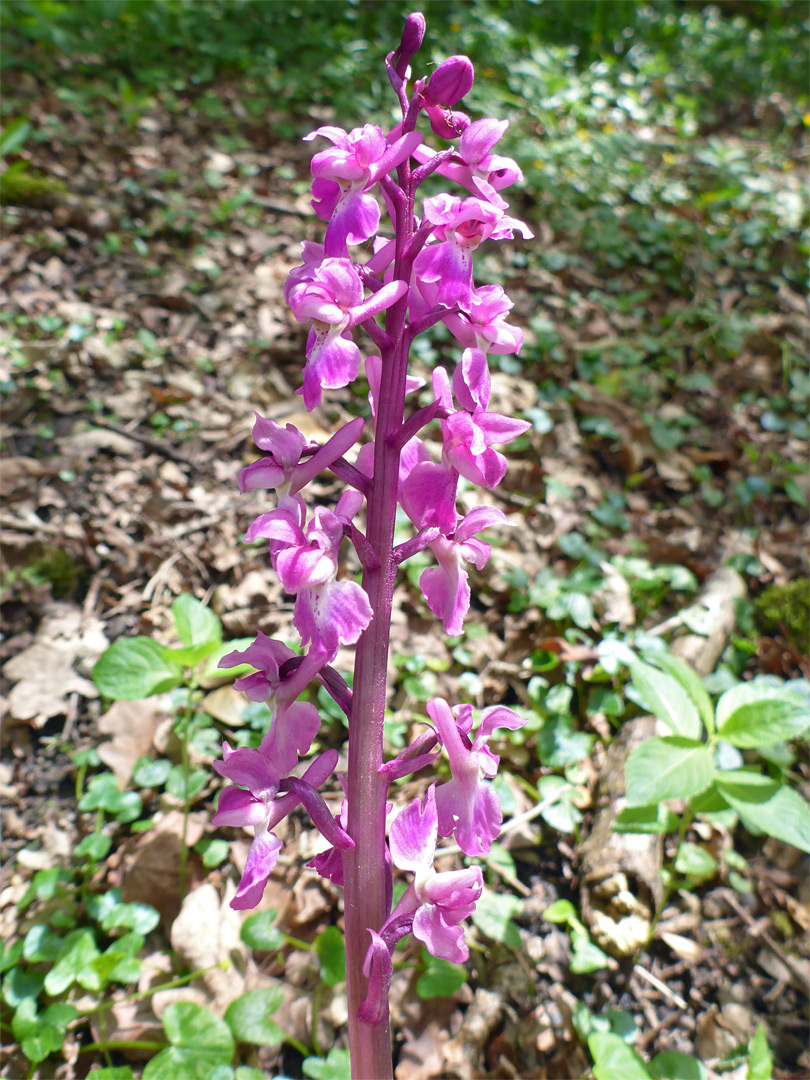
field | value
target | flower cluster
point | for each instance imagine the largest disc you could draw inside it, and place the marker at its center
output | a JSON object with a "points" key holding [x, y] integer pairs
{"points": [[420, 278]]}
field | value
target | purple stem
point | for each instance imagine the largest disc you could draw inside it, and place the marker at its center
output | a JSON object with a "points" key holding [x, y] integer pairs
{"points": [[364, 867]]}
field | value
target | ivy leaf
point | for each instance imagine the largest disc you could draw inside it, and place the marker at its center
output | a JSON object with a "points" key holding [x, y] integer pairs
{"points": [[248, 1018], [258, 931], [671, 767], [331, 951], [493, 917], [199, 1040], [335, 1066], [441, 978], [613, 1058], [135, 668]]}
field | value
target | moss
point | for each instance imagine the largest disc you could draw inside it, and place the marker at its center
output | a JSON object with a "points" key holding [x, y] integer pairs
{"points": [[22, 188], [787, 607]]}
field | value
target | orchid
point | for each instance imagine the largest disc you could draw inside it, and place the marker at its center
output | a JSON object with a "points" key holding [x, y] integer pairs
{"points": [[362, 309]]}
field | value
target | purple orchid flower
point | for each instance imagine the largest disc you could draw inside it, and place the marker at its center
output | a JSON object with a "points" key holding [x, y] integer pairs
{"points": [[467, 805], [343, 175], [331, 300], [259, 807], [444, 269], [469, 433], [284, 470], [437, 901], [484, 326], [478, 170]]}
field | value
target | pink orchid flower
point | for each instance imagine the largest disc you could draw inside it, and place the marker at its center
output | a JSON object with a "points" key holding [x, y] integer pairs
{"points": [[331, 300], [344, 173], [468, 806], [437, 901]]}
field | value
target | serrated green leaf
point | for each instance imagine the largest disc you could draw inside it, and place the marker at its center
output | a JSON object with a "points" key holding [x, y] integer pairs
{"points": [[135, 668], [258, 931], [690, 681], [672, 767], [645, 819], [195, 623], [336, 1066], [330, 949], [248, 1017], [751, 715], [673, 1065], [766, 806], [613, 1058], [664, 696]]}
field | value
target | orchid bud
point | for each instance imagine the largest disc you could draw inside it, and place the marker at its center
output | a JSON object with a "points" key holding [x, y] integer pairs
{"points": [[412, 35], [446, 123], [450, 81]]}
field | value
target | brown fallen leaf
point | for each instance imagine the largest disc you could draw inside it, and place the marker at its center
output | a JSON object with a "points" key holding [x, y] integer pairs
{"points": [[132, 725], [151, 864], [206, 933]]}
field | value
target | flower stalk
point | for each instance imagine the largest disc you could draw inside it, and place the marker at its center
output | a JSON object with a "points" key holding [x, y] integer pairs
{"points": [[421, 277]]}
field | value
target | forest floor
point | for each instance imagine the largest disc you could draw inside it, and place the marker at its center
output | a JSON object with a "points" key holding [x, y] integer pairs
{"points": [[143, 321]]}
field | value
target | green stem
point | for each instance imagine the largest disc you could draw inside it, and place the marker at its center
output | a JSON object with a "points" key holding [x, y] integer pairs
{"points": [[186, 800], [140, 994], [669, 887], [124, 1044]]}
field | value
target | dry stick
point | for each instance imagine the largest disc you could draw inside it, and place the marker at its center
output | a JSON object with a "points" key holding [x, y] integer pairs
{"points": [[162, 447]]}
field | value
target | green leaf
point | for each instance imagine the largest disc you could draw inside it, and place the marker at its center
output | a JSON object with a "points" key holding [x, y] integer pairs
{"points": [[667, 768], [248, 1018], [614, 1059], [664, 696], [112, 1072], [77, 953], [751, 714], [645, 819], [195, 624], [673, 1065], [760, 1062], [766, 806], [212, 670], [182, 785], [135, 668], [103, 793], [695, 862], [562, 912], [95, 847], [26, 1020], [200, 1041], [135, 916], [41, 943], [336, 1066], [441, 978], [14, 135], [213, 851], [690, 681], [20, 983], [493, 917], [259, 933], [331, 951], [149, 774], [586, 956]]}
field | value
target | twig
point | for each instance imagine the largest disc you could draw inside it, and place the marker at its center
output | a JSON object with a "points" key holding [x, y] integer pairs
{"points": [[661, 987], [160, 445]]}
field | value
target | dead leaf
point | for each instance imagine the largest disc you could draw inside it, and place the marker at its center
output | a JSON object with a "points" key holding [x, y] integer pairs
{"points": [[151, 864], [206, 933], [132, 725]]}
